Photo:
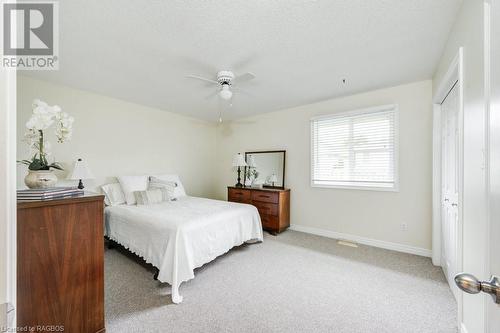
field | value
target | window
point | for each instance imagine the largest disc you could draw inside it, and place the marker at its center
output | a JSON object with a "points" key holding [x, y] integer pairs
{"points": [[355, 149]]}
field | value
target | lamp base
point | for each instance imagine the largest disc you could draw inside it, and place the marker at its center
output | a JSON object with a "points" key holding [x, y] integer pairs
{"points": [[80, 185], [239, 184]]}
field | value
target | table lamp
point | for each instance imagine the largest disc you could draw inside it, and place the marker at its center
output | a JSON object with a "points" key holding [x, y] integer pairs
{"points": [[80, 172], [238, 162]]}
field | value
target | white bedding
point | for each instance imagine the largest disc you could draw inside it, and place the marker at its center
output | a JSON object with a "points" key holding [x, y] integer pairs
{"points": [[178, 236]]}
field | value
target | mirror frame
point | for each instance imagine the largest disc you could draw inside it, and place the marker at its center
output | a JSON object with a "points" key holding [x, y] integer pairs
{"points": [[270, 152]]}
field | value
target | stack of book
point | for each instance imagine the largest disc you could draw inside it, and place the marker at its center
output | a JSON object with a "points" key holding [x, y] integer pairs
{"points": [[48, 193]]}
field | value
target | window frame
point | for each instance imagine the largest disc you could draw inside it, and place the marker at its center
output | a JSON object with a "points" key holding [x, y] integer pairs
{"points": [[389, 107]]}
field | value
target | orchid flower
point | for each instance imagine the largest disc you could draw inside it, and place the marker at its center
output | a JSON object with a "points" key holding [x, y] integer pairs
{"points": [[43, 117]]}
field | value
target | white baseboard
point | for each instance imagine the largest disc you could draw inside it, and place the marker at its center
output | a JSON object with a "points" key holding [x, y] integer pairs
{"points": [[363, 240]]}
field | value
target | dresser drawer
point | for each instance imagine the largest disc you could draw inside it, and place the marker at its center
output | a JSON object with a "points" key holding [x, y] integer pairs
{"points": [[237, 195], [265, 196], [266, 208], [269, 222]]}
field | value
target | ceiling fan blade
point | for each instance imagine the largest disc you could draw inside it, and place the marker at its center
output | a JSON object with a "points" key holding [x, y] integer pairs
{"points": [[212, 94], [201, 78], [244, 77], [241, 91]]}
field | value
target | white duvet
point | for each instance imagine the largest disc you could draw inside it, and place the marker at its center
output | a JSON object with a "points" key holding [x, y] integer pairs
{"points": [[178, 236]]}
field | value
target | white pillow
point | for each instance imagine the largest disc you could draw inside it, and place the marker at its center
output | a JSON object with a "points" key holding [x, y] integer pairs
{"points": [[130, 184], [168, 186], [113, 194], [150, 197], [179, 190]]}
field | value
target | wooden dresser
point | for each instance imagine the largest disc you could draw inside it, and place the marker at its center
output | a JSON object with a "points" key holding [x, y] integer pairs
{"points": [[273, 205], [60, 264]]}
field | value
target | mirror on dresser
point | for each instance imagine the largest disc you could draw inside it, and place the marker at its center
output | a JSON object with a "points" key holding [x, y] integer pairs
{"points": [[265, 169]]}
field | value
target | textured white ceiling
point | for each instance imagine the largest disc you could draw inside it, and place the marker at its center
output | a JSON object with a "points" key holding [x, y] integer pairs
{"points": [[300, 50]]}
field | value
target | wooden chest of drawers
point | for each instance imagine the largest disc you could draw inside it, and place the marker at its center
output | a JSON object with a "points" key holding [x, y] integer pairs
{"points": [[273, 205], [60, 264]]}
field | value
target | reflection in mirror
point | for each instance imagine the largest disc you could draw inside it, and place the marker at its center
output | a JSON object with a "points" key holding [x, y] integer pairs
{"points": [[265, 169]]}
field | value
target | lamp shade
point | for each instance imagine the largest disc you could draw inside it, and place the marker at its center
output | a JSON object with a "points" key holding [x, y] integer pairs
{"points": [[251, 161], [80, 171], [239, 161]]}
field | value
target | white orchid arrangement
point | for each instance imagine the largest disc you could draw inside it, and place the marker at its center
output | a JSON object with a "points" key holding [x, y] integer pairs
{"points": [[44, 116]]}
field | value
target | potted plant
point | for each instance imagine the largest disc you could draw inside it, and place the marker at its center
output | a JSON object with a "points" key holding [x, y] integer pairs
{"points": [[40, 170]]}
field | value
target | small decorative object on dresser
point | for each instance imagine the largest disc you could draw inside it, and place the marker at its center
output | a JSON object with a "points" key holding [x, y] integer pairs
{"points": [[60, 264], [273, 205], [80, 172], [238, 162], [40, 174]]}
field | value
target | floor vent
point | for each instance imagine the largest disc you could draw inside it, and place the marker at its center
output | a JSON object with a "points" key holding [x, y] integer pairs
{"points": [[347, 243]]}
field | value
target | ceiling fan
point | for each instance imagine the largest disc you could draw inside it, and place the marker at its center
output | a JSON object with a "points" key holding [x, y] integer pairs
{"points": [[225, 82]]}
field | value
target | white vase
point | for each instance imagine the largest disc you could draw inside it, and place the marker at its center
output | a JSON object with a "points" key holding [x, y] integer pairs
{"points": [[40, 179]]}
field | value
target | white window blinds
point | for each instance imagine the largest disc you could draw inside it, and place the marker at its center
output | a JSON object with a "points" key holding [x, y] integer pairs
{"points": [[355, 149]]}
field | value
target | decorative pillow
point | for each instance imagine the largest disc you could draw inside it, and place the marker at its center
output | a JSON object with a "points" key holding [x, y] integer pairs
{"points": [[151, 196], [130, 184], [113, 194], [179, 190], [165, 185]]}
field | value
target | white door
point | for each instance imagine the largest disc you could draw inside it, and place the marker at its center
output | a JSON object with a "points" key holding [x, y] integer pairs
{"points": [[485, 253], [449, 184]]}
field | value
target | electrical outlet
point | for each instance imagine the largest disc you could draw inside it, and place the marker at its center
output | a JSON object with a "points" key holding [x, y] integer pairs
{"points": [[404, 226]]}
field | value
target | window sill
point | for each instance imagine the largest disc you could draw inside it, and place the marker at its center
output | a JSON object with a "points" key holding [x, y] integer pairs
{"points": [[354, 187]]}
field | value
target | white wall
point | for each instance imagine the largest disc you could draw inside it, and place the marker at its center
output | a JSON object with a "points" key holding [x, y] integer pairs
{"points": [[370, 214], [468, 32], [121, 138]]}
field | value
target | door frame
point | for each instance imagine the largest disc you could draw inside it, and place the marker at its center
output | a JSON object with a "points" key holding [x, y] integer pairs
{"points": [[452, 76], [8, 202]]}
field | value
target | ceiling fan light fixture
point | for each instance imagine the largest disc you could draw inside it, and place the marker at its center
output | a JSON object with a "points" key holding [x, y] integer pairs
{"points": [[225, 92]]}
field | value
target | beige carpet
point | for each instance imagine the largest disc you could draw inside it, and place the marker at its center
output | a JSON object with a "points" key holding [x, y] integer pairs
{"points": [[291, 283]]}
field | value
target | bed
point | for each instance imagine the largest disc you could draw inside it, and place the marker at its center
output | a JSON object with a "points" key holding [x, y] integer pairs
{"points": [[178, 236]]}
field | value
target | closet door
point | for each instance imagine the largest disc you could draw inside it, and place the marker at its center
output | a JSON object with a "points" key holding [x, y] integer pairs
{"points": [[449, 186]]}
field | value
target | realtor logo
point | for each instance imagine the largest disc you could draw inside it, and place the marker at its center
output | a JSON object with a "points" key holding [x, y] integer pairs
{"points": [[30, 35]]}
